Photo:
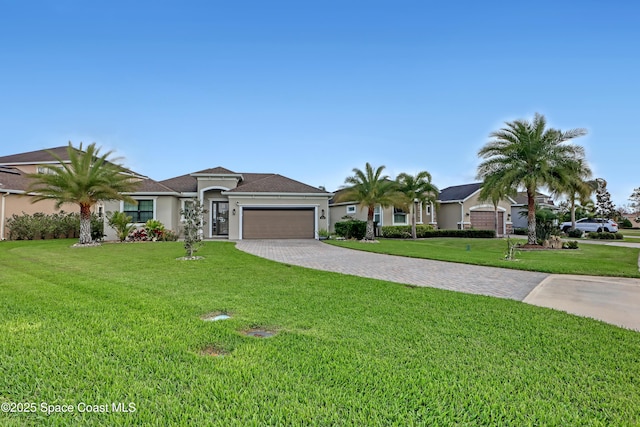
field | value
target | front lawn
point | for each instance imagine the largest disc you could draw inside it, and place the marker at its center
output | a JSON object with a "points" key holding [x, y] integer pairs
{"points": [[589, 259], [119, 327]]}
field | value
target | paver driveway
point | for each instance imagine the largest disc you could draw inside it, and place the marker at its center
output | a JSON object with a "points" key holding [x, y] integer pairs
{"points": [[497, 282], [613, 300]]}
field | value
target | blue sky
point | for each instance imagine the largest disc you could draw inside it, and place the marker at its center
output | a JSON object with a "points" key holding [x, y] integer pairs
{"points": [[311, 90]]}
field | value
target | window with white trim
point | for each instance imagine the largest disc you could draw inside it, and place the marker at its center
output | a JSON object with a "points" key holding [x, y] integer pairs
{"points": [[140, 212], [399, 216], [351, 209], [377, 215]]}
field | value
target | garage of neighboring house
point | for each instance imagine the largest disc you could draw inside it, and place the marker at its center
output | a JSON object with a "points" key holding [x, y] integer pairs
{"points": [[486, 220], [278, 223]]}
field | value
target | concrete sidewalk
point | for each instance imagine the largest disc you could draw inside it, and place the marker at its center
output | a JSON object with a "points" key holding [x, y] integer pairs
{"points": [[612, 300]]}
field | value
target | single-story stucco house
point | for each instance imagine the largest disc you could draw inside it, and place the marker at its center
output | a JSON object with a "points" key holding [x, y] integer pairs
{"points": [[457, 207], [390, 215], [239, 205], [460, 207]]}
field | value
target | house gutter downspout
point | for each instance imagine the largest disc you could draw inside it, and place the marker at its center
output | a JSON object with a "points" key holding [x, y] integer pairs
{"points": [[2, 210], [461, 215]]}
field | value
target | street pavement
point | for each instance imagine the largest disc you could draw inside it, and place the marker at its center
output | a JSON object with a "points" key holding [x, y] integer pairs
{"points": [[612, 300]]}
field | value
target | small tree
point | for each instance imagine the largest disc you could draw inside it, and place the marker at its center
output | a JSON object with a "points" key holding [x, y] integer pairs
{"points": [[635, 200], [121, 223], [193, 222], [605, 207]]}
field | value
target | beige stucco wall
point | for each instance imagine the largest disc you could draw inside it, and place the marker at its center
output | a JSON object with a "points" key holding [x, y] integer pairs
{"points": [[449, 216], [227, 183], [17, 204]]}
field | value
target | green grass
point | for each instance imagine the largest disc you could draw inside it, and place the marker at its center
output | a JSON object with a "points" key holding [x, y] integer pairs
{"points": [[631, 234], [589, 259], [121, 323]]}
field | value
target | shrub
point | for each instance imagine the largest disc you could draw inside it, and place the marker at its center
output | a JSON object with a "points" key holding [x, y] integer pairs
{"points": [[605, 235], [138, 235], [351, 229], [97, 227], [155, 229], [43, 226], [572, 244], [520, 231], [404, 231], [575, 233], [121, 223], [387, 231], [169, 236]]}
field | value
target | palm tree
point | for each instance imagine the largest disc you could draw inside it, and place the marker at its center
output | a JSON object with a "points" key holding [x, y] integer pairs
{"points": [[369, 188], [85, 179], [491, 191], [580, 188], [528, 154], [416, 189]]}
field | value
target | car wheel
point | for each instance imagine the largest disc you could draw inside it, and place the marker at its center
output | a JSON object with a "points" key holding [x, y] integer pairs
{"points": [[566, 229], [599, 230], [606, 229]]}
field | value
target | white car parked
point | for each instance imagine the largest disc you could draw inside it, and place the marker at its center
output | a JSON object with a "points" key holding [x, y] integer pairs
{"points": [[592, 224]]}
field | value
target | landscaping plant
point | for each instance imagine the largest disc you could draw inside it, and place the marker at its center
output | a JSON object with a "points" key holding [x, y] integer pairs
{"points": [[193, 221], [121, 223]]}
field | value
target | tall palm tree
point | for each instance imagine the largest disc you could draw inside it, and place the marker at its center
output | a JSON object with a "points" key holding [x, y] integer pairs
{"points": [[492, 192], [580, 188], [416, 189], [85, 179], [369, 188], [529, 154]]}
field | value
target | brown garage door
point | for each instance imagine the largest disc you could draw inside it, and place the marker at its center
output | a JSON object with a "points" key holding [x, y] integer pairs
{"points": [[485, 220], [261, 223]]}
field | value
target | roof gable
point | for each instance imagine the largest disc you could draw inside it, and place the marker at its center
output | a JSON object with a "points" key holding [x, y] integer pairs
{"points": [[218, 170], [459, 192]]}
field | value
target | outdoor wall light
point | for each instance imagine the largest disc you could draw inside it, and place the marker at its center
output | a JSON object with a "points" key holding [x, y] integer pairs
{"points": [[234, 211], [467, 214], [322, 214]]}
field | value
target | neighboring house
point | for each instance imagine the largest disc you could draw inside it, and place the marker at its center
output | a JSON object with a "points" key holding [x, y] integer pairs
{"points": [[520, 207], [239, 205], [247, 205], [459, 207], [382, 216], [14, 182]]}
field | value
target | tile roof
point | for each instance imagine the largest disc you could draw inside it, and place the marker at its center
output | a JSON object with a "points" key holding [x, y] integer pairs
{"points": [[217, 170], [13, 179], [458, 192], [182, 184], [273, 183], [44, 156], [38, 156], [148, 185], [251, 183]]}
